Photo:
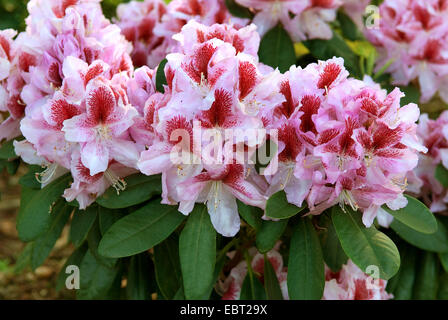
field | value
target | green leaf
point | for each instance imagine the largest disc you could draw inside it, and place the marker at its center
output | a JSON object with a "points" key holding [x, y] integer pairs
{"points": [[365, 246], [160, 76], [335, 47], [426, 286], [81, 223], [167, 266], [334, 255], [35, 207], [306, 271], [93, 241], [252, 288], [12, 166], [7, 150], [402, 283], [197, 251], [436, 242], [443, 287], [139, 188], [139, 277], [140, 230], [95, 278], [271, 283], [348, 27], [237, 10], [269, 233], [43, 245], [443, 257], [24, 259], [278, 207], [441, 175], [107, 217], [29, 179], [415, 215], [75, 259], [252, 215], [276, 49]]}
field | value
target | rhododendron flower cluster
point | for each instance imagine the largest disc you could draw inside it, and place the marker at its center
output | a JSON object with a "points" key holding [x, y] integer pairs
{"points": [[413, 38], [343, 141], [422, 180], [178, 125], [67, 88], [215, 87], [350, 283], [150, 25], [303, 19]]}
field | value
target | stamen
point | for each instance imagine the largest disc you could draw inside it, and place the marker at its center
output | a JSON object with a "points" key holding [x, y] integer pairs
{"points": [[115, 181], [46, 175], [346, 197]]}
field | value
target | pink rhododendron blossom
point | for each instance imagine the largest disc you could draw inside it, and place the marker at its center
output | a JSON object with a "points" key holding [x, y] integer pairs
{"points": [[86, 187], [342, 141], [101, 130], [215, 86], [231, 286], [206, 12], [413, 36], [137, 21], [422, 180], [351, 283], [68, 74], [303, 19]]}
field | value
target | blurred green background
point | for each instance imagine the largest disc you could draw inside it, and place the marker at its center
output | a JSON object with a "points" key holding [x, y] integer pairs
{"points": [[13, 12]]}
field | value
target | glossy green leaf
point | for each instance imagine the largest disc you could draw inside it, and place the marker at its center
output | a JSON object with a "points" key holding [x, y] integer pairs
{"points": [[426, 285], [139, 277], [140, 230], [45, 243], [335, 47], [348, 27], [252, 215], [269, 233], [306, 272], [7, 150], [277, 49], [107, 217], [271, 283], [443, 257], [81, 223], [415, 215], [252, 288], [95, 278], [443, 287], [160, 76], [197, 251], [167, 266], [366, 247], [402, 283], [441, 175], [332, 251], [237, 10], [436, 242], [29, 179], [278, 207], [139, 188], [35, 208]]}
